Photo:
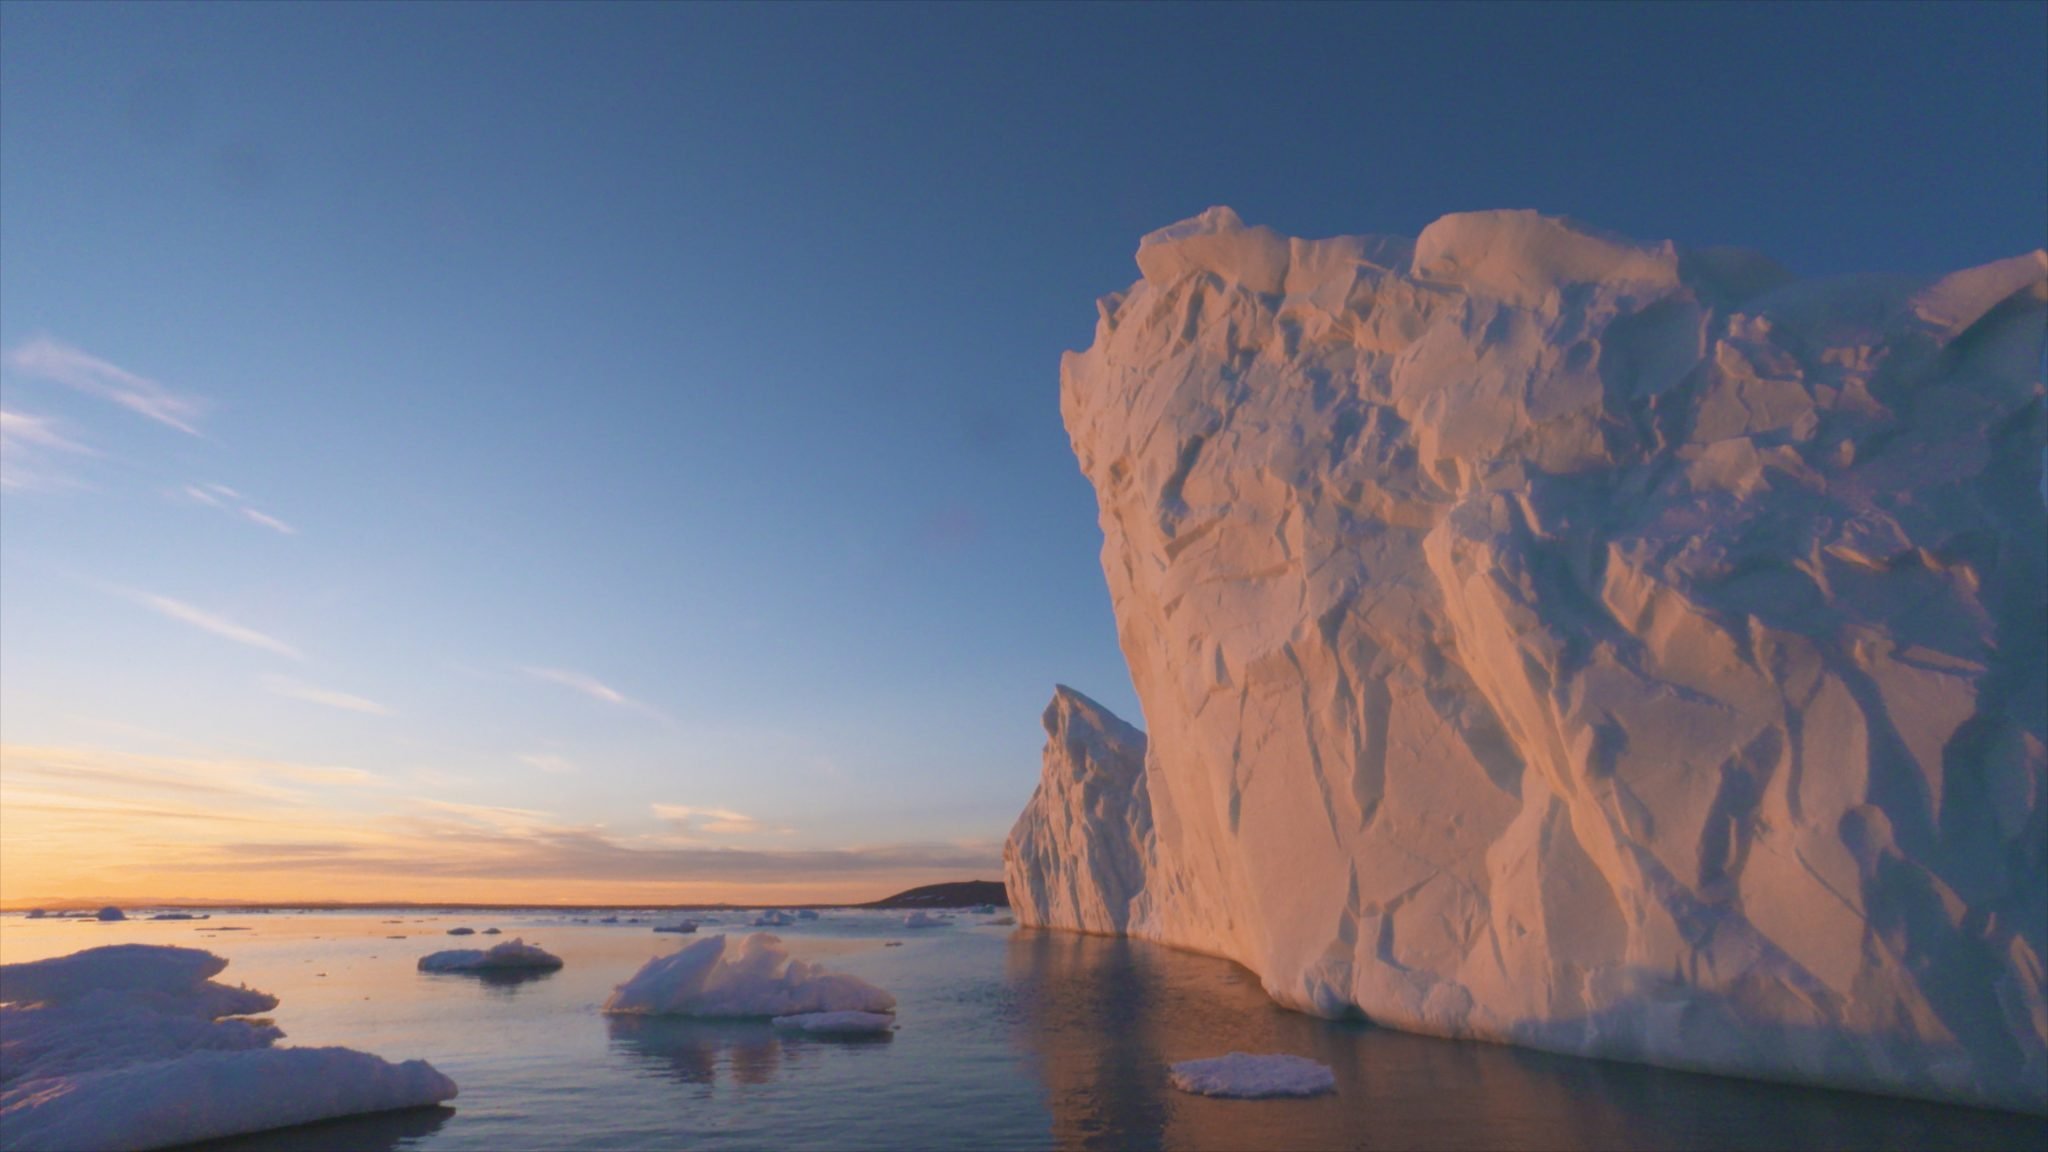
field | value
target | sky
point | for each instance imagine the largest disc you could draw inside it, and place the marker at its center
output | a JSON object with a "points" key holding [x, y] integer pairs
{"points": [[612, 453]]}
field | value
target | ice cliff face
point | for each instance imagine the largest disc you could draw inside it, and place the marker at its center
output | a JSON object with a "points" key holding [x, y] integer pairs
{"points": [[1563, 641], [1082, 850]]}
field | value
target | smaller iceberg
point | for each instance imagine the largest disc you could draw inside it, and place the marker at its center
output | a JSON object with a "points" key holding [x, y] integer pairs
{"points": [[110, 914], [806, 914], [462, 931], [513, 955], [838, 1023], [774, 918], [758, 979], [1244, 1076], [924, 920]]}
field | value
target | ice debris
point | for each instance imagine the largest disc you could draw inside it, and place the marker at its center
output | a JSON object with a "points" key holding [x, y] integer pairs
{"points": [[512, 954], [760, 979], [134, 1046]]}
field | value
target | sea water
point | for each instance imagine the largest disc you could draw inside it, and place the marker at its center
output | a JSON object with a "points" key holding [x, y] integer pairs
{"points": [[1006, 1038]]}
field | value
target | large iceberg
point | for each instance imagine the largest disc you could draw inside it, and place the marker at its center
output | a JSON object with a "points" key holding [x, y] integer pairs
{"points": [[135, 1046], [760, 979], [1552, 639]]}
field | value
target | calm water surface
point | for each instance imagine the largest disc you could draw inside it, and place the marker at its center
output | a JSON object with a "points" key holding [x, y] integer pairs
{"points": [[1006, 1039]]}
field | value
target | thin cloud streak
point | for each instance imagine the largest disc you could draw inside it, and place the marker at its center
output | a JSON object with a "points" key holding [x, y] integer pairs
{"points": [[208, 622], [46, 359], [228, 500], [25, 438], [716, 821], [313, 694], [594, 688]]}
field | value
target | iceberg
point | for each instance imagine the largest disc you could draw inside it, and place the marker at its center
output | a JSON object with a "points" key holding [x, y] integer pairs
{"points": [[773, 919], [135, 1046], [1608, 648], [760, 979], [514, 954], [462, 931], [110, 913], [1244, 1076], [924, 920]]}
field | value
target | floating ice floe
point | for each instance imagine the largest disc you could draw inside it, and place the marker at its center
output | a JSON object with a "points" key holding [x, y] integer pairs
{"points": [[134, 1046], [774, 919], [838, 1023], [491, 932], [1244, 1076], [512, 954], [924, 920], [462, 931], [111, 913], [760, 979], [806, 914]]}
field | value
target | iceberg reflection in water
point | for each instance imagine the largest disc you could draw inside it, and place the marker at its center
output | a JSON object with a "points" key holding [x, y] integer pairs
{"points": [[1005, 1040], [1104, 1017], [696, 1051]]}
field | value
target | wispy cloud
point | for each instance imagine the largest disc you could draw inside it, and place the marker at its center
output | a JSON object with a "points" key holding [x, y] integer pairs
{"points": [[313, 694], [46, 359], [714, 821], [218, 625], [88, 820], [25, 443], [592, 687], [228, 500]]}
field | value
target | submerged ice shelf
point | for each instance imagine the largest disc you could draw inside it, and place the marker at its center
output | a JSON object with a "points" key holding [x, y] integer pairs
{"points": [[1244, 1076], [1603, 647], [135, 1046]]}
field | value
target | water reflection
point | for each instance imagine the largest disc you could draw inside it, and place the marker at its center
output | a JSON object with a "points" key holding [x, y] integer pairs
{"points": [[382, 1132], [497, 982], [692, 1051], [1103, 1018]]}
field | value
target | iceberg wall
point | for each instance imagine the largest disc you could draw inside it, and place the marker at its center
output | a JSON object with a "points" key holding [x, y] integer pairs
{"points": [[1557, 640]]}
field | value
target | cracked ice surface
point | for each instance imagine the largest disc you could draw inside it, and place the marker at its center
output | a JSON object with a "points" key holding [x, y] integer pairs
{"points": [[1604, 647]]}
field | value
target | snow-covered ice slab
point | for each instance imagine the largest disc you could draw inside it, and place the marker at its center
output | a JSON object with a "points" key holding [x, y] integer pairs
{"points": [[923, 920], [838, 1023], [135, 1046], [760, 979], [1244, 1076], [514, 954]]}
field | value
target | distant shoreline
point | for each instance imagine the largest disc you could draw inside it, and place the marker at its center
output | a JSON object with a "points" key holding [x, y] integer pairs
{"points": [[962, 892]]}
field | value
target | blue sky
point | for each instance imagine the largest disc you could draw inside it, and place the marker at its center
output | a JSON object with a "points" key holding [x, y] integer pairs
{"points": [[637, 426]]}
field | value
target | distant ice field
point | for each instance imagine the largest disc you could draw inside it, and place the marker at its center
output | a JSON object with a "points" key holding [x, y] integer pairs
{"points": [[1004, 1038]]}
